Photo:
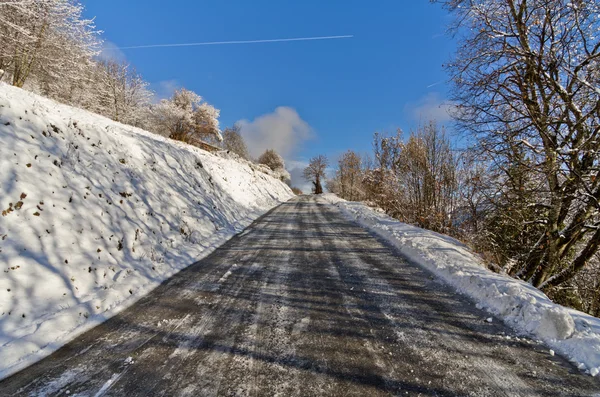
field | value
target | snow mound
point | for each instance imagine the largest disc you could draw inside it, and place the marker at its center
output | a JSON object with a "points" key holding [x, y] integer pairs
{"points": [[96, 213], [569, 332]]}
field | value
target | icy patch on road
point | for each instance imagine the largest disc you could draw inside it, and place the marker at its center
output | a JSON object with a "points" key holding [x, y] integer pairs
{"points": [[55, 386], [571, 333], [227, 274], [108, 384]]}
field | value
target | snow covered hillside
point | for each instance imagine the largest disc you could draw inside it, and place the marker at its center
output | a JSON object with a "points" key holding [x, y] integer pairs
{"points": [[574, 334], [96, 213]]}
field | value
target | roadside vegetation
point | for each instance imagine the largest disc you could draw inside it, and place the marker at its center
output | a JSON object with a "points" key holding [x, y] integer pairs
{"points": [[524, 192], [315, 173], [522, 189], [49, 48]]}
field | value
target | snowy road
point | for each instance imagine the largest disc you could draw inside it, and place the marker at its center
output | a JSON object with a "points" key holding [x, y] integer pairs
{"points": [[302, 303]]}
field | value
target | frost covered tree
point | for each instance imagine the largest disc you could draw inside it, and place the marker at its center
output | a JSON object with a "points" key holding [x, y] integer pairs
{"points": [[526, 78], [45, 38], [185, 117], [315, 172], [275, 162], [120, 92], [234, 142], [271, 159]]}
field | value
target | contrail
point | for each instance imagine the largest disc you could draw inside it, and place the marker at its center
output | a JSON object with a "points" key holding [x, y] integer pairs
{"points": [[434, 84], [238, 42]]}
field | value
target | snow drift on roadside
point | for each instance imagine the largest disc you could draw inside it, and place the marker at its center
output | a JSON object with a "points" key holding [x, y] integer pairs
{"points": [[96, 213], [574, 334]]}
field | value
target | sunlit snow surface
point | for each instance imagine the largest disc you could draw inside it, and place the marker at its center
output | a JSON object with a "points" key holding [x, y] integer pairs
{"points": [[97, 213], [571, 333]]}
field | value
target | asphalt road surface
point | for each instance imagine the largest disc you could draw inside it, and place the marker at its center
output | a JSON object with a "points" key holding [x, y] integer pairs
{"points": [[302, 303]]}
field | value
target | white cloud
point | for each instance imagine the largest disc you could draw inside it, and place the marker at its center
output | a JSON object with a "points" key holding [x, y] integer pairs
{"points": [[296, 168], [430, 107], [282, 130], [164, 89], [110, 52]]}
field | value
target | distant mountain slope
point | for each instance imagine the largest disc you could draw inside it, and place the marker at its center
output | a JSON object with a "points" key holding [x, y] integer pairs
{"points": [[96, 213]]}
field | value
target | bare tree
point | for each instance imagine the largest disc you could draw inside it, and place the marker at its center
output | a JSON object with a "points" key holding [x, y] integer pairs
{"points": [[526, 79], [426, 172], [347, 182], [315, 172], [415, 181], [333, 185], [380, 180], [473, 187]]}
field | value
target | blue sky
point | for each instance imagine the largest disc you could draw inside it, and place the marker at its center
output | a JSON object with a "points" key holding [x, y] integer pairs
{"points": [[334, 93]]}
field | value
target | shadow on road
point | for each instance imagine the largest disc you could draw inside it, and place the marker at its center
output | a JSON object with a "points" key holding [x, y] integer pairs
{"points": [[304, 303]]}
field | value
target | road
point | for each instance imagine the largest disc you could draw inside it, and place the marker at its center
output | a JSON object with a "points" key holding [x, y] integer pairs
{"points": [[302, 303]]}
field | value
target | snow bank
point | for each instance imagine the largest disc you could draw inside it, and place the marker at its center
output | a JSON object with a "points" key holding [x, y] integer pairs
{"points": [[574, 334], [95, 214]]}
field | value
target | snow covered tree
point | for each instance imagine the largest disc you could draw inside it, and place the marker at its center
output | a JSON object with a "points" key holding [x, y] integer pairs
{"points": [[234, 142], [271, 159], [46, 38], [275, 162], [121, 93], [526, 78], [185, 117], [315, 172]]}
